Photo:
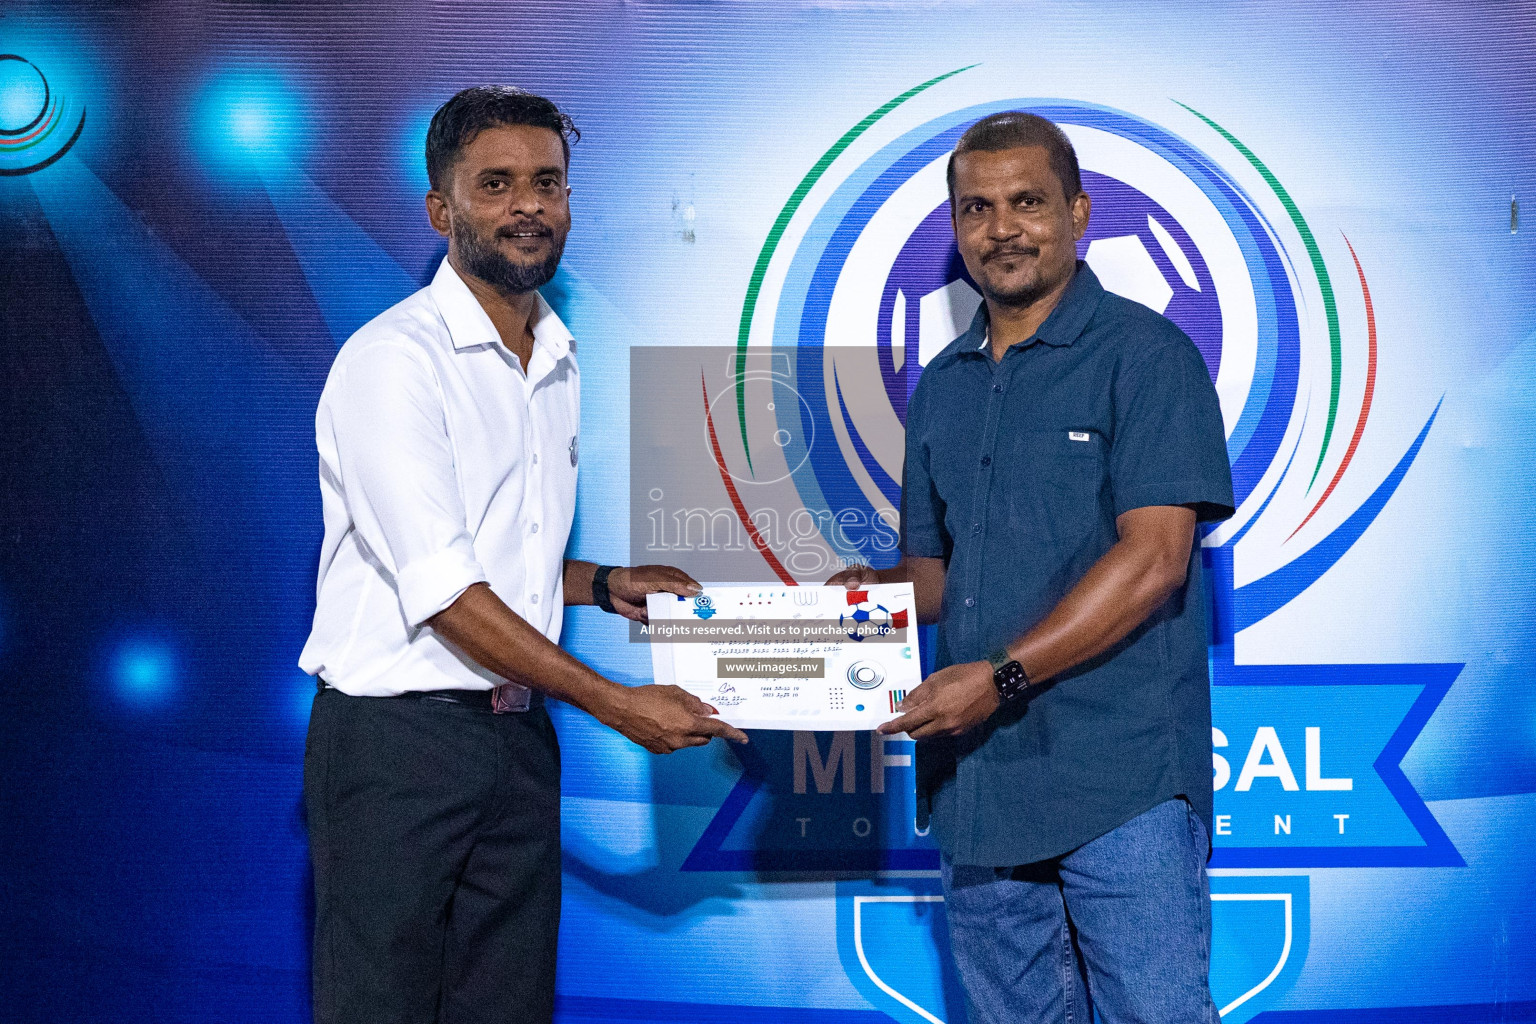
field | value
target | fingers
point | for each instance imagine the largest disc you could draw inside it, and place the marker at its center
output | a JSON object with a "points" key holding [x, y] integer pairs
{"points": [[629, 585], [689, 722], [698, 732], [690, 703], [930, 730], [684, 587], [920, 694], [910, 723], [701, 725], [913, 704], [635, 612], [724, 730], [853, 577], [656, 579]]}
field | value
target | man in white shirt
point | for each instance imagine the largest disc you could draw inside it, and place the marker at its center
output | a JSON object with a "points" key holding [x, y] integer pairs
{"points": [[448, 436]]}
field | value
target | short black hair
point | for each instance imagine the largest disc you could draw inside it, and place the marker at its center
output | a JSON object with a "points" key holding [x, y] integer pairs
{"points": [[473, 110], [1014, 129]]}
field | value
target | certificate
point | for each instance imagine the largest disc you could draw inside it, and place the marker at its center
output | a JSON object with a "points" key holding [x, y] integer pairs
{"points": [[804, 658]]}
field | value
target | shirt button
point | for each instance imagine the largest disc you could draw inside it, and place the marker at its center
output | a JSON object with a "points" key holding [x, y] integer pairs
{"points": [[975, 527], [986, 460], [535, 458], [970, 602], [534, 598], [535, 527], [998, 388]]}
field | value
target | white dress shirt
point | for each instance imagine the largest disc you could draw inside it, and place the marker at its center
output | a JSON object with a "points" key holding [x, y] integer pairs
{"points": [[442, 464]]}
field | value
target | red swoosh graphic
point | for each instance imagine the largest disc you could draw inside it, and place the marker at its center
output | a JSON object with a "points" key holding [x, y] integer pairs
{"points": [[741, 509], [52, 116], [1370, 388]]}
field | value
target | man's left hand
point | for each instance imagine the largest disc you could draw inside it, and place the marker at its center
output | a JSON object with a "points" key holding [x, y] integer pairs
{"points": [[949, 702], [627, 587]]}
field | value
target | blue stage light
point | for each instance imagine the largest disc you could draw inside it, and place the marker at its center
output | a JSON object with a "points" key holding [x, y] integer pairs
{"points": [[252, 120], [143, 669], [413, 151], [303, 698], [23, 94]]}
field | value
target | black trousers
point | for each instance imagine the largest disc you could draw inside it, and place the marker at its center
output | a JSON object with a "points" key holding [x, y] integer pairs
{"points": [[434, 829]]}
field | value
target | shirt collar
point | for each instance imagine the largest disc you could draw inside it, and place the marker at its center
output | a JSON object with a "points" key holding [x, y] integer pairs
{"points": [[469, 326], [1062, 328]]}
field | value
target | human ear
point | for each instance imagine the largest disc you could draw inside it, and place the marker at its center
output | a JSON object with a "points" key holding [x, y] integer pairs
{"points": [[1082, 207], [437, 212]]}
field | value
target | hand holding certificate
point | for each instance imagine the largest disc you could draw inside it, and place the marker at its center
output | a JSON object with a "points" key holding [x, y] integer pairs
{"points": [[804, 658]]}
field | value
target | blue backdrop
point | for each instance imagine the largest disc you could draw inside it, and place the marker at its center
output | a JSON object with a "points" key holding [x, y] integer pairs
{"points": [[200, 202]]}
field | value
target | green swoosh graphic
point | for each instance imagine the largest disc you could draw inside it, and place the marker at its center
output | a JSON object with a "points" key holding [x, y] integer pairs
{"points": [[776, 233], [58, 117], [1318, 268]]}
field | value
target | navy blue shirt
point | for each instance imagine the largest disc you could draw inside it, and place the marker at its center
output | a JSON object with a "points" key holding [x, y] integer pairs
{"points": [[1015, 473]]}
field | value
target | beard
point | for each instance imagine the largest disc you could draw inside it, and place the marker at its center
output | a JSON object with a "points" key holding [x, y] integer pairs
{"points": [[1022, 294], [481, 258]]}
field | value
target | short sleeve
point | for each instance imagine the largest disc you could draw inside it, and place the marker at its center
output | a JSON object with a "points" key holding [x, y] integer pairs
{"points": [[1169, 444], [922, 510], [398, 478]]}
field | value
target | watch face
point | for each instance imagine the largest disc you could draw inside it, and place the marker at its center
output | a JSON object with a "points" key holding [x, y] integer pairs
{"points": [[1011, 680]]}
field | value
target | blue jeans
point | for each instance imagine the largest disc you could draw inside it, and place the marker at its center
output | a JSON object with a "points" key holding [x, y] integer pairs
{"points": [[1121, 925]]}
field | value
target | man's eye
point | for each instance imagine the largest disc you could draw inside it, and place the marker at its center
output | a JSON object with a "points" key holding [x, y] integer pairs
{"points": [[495, 185]]}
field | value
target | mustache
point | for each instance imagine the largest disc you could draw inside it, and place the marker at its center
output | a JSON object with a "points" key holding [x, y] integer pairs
{"points": [[1009, 250]]}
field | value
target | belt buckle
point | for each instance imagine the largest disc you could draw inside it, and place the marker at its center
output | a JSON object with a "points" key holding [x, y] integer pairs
{"points": [[510, 698]]}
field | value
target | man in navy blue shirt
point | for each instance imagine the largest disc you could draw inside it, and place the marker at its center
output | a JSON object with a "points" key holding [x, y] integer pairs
{"points": [[1059, 456]]}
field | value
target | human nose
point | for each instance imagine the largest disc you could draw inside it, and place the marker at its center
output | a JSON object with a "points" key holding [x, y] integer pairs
{"points": [[1003, 225], [525, 199]]}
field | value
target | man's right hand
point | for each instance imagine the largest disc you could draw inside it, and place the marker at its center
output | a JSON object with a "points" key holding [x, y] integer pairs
{"points": [[854, 577], [925, 574], [663, 718]]}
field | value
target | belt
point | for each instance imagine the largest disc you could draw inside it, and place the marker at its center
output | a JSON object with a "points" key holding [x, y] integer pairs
{"points": [[508, 699]]}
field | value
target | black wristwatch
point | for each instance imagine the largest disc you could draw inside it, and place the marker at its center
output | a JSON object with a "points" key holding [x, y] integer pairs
{"points": [[600, 595], [1007, 675]]}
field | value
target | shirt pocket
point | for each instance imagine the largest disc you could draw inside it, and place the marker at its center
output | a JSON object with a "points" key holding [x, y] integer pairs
{"points": [[1055, 484]]}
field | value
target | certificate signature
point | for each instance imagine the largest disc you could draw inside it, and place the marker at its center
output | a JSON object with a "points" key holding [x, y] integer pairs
{"points": [[803, 658]]}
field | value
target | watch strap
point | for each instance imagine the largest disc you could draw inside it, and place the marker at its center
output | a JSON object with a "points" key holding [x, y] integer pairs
{"points": [[600, 595]]}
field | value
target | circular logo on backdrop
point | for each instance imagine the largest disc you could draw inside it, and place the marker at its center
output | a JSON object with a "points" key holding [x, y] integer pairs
{"points": [[872, 288], [38, 124], [875, 289]]}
